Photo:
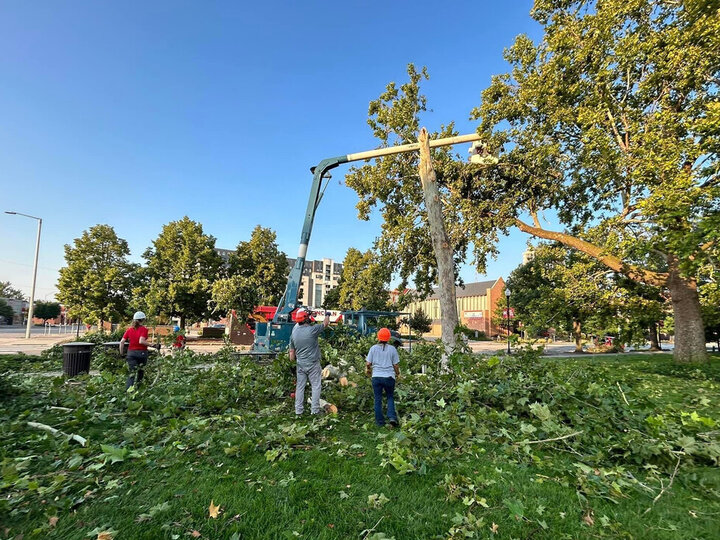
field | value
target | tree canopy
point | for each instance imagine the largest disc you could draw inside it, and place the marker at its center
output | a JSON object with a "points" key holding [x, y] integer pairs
{"points": [[392, 183], [612, 122], [6, 312], [181, 265], [95, 285], [8, 291], [46, 310], [257, 275], [364, 282]]}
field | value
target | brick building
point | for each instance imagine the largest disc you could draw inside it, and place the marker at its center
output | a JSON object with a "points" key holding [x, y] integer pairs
{"points": [[476, 303]]}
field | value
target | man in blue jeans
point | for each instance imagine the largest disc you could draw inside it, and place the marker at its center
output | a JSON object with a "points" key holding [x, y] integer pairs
{"points": [[382, 361]]}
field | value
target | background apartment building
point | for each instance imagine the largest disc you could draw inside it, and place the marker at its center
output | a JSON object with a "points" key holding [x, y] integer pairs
{"points": [[318, 278]]}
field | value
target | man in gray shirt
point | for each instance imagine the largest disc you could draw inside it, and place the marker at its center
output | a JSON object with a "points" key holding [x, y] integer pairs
{"points": [[305, 351]]}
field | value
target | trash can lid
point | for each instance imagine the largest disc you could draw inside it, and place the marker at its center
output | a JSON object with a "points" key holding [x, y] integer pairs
{"points": [[78, 344]]}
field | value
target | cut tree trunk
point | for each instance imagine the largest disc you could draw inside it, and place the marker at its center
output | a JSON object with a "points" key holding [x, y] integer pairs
{"points": [[654, 341], [441, 247], [689, 330], [577, 334]]}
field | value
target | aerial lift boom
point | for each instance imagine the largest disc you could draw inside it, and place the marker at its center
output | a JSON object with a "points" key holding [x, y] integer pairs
{"points": [[274, 336]]}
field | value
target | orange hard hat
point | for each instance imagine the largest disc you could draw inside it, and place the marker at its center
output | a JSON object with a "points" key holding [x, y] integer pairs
{"points": [[301, 315], [383, 334]]}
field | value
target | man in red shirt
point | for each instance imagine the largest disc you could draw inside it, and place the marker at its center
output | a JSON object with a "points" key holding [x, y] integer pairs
{"points": [[137, 355]]}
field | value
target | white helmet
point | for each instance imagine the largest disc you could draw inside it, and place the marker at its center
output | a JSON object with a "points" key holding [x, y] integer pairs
{"points": [[139, 316]]}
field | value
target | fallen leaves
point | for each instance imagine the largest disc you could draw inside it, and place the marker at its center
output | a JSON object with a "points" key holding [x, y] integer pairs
{"points": [[214, 510], [105, 535], [53, 520], [588, 518], [494, 528]]}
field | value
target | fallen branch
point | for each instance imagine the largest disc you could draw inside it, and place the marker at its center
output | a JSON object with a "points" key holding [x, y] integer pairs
{"points": [[623, 393], [367, 533], [54, 431], [554, 439], [665, 488]]}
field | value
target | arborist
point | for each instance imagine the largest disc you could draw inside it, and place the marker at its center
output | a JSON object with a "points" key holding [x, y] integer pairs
{"points": [[305, 351]]}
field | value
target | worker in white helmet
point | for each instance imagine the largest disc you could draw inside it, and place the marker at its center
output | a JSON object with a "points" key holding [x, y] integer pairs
{"points": [[137, 338]]}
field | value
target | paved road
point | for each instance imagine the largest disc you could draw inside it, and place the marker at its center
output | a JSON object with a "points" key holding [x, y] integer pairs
{"points": [[12, 339]]}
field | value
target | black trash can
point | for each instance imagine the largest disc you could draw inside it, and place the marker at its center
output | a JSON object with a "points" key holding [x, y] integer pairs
{"points": [[76, 357], [115, 346]]}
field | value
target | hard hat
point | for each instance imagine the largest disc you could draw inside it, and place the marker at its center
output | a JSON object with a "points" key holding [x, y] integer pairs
{"points": [[139, 316], [302, 315], [383, 334]]}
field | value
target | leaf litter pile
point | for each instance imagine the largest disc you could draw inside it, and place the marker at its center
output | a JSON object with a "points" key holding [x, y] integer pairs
{"points": [[606, 430]]}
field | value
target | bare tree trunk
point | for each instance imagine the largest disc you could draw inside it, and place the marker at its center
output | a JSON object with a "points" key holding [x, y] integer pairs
{"points": [[441, 247], [182, 321], [689, 330], [654, 342], [577, 334]]}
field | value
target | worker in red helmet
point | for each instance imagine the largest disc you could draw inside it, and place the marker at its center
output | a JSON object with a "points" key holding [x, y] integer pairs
{"points": [[305, 351], [382, 363]]}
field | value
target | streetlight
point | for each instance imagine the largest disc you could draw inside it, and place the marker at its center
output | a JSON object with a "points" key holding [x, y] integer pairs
{"points": [[507, 296], [35, 265]]}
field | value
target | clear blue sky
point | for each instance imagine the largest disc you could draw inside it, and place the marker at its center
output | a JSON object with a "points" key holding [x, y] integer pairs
{"points": [[136, 113]]}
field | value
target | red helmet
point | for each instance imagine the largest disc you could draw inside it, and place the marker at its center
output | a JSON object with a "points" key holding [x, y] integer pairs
{"points": [[383, 335], [301, 315]]}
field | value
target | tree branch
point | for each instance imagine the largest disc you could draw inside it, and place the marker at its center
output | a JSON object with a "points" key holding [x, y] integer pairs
{"points": [[635, 273]]}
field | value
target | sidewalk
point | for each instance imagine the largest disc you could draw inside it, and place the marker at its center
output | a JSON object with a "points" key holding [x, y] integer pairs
{"points": [[14, 344]]}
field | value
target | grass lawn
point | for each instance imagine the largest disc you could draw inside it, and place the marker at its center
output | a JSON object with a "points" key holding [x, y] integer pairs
{"points": [[155, 461]]}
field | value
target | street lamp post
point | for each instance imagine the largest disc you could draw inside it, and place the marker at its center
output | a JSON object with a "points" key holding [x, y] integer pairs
{"points": [[35, 265], [507, 296]]}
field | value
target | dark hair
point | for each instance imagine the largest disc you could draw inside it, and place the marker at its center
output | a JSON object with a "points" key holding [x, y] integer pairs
{"points": [[137, 323]]}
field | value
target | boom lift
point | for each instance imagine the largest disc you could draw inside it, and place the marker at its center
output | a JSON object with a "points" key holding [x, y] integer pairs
{"points": [[274, 336]]}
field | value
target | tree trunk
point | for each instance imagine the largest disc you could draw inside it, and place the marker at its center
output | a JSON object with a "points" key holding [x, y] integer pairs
{"points": [[441, 247], [689, 330], [577, 334], [654, 342], [182, 321]]}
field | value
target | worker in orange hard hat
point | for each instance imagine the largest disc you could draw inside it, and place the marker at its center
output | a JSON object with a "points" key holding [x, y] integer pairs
{"points": [[382, 363]]}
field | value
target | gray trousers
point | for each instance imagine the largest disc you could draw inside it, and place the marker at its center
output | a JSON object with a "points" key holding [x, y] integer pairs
{"points": [[314, 374]]}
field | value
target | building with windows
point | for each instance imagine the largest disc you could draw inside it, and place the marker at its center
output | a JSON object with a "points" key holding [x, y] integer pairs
{"points": [[20, 310], [476, 304], [318, 278]]}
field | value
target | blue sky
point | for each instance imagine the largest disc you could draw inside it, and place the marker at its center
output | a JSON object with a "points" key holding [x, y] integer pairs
{"points": [[137, 113]]}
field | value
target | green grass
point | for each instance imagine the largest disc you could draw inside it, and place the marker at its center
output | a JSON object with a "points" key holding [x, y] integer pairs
{"points": [[321, 489]]}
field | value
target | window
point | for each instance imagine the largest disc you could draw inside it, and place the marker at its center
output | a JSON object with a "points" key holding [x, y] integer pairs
{"points": [[317, 301]]}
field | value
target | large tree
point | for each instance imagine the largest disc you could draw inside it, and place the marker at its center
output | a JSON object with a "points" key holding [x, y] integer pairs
{"points": [[257, 274], [182, 264], [559, 288], [95, 284], [8, 291], [364, 281], [612, 121]]}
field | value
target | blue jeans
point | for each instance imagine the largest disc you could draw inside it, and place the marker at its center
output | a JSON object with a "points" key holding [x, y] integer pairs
{"points": [[388, 384]]}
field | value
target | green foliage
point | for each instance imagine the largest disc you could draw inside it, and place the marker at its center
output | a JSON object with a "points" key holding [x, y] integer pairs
{"points": [[8, 291], [392, 183], [364, 282], [473, 447], [6, 311], [46, 310], [419, 322], [257, 275], [182, 264], [95, 285]]}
